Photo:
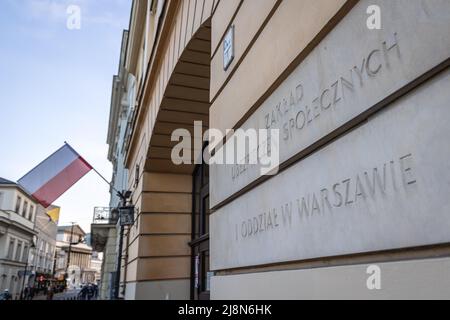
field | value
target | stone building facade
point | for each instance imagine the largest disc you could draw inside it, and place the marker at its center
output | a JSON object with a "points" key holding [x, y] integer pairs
{"points": [[17, 233], [359, 190]]}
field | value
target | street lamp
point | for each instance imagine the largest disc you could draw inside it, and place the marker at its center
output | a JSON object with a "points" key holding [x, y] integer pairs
{"points": [[32, 246], [125, 214]]}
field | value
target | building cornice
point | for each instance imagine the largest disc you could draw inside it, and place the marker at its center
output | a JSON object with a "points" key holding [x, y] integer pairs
{"points": [[157, 53], [118, 87], [12, 263], [19, 188], [136, 31], [16, 225]]}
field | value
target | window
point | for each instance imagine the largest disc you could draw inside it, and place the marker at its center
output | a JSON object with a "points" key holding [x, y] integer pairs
{"points": [[18, 251], [12, 243], [136, 175], [32, 257], [25, 253], [18, 203], [60, 262], [153, 7], [143, 63], [1, 199], [25, 209], [30, 215]]}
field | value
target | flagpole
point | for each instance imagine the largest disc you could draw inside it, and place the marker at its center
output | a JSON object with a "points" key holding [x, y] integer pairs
{"points": [[109, 183], [99, 174], [104, 179]]}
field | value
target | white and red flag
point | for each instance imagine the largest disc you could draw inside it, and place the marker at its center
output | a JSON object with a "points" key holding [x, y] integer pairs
{"points": [[55, 175]]}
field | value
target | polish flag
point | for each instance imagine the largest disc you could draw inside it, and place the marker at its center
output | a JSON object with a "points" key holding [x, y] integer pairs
{"points": [[55, 175]]}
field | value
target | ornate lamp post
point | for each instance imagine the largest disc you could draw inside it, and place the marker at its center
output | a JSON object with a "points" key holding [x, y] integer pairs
{"points": [[126, 218], [32, 246]]}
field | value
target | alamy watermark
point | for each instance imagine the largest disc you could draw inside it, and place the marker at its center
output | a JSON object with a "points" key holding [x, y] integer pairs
{"points": [[374, 19], [374, 280], [73, 17], [242, 148]]}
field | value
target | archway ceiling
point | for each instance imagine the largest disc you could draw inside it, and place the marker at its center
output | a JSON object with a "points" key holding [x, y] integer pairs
{"points": [[186, 99]]}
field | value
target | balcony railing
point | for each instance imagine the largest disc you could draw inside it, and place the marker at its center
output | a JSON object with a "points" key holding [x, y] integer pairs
{"points": [[105, 215]]}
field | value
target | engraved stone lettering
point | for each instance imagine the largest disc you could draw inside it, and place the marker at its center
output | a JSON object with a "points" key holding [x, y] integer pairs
{"points": [[352, 191]]}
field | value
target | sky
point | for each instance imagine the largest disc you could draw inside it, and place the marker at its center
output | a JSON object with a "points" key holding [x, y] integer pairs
{"points": [[55, 86]]}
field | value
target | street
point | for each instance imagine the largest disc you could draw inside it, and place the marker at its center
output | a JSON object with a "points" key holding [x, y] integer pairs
{"points": [[67, 295]]}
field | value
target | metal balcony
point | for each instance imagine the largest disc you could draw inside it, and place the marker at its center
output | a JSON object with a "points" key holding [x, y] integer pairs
{"points": [[104, 220], [105, 215]]}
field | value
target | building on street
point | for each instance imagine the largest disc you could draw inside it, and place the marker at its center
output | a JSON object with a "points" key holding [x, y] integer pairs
{"points": [[74, 257], [42, 255], [105, 228], [17, 218], [104, 240], [346, 177]]}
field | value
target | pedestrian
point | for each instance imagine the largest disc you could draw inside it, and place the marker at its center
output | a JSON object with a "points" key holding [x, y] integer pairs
{"points": [[25, 293], [31, 295], [6, 295], [83, 293], [90, 292], [50, 293], [95, 291]]}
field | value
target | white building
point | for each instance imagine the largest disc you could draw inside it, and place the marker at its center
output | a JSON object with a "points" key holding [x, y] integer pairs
{"points": [[105, 230], [74, 257], [42, 257], [96, 265], [17, 219]]}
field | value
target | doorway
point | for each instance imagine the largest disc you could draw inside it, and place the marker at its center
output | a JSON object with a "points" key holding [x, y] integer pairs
{"points": [[200, 271]]}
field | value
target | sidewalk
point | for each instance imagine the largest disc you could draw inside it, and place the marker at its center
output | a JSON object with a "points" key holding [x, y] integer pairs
{"points": [[68, 295]]}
